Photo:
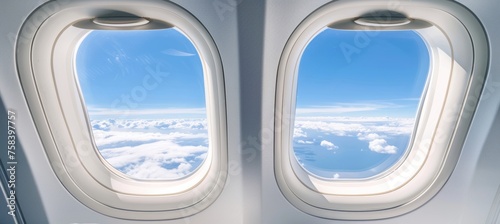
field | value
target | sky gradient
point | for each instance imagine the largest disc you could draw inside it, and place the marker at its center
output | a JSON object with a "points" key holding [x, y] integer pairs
{"points": [[357, 96], [140, 72]]}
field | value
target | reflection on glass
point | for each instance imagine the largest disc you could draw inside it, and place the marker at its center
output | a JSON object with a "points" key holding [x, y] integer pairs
{"points": [[145, 97], [358, 94]]}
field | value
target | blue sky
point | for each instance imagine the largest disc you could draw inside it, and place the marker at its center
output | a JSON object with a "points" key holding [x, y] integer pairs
{"points": [[357, 96], [141, 71], [385, 76]]}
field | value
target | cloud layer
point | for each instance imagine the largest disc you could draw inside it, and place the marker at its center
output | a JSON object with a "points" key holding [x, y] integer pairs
{"points": [[152, 149], [173, 148], [350, 147], [376, 131]]}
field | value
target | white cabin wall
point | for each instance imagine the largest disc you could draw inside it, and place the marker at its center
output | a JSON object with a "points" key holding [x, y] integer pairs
{"points": [[250, 36]]}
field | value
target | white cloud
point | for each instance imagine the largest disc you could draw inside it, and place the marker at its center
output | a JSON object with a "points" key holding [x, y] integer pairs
{"points": [[328, 145], [377, 143], [151, 170], [343, 126], [105, 138], [161, 124], [380, 146], [297, 132], [101, 125], [148, 161], [152, 149], [339, 129], [368, 137], [305, 142], [374, 130]]}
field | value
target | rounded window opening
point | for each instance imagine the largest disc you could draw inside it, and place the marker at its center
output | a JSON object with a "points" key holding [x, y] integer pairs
{"points": [[144, 92], [357, 99]]}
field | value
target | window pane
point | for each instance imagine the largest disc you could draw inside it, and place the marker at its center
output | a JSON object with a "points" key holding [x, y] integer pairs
{"points": [[357, 97], [145, 97]]}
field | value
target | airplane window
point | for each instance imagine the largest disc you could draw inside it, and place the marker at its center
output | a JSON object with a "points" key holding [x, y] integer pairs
{"points": [[357, 101], [373, 105], [145, 98], [130, 104]]}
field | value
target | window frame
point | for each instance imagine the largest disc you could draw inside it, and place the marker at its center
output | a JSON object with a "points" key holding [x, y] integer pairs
{"points": [[47, 48], [441, 127]]}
